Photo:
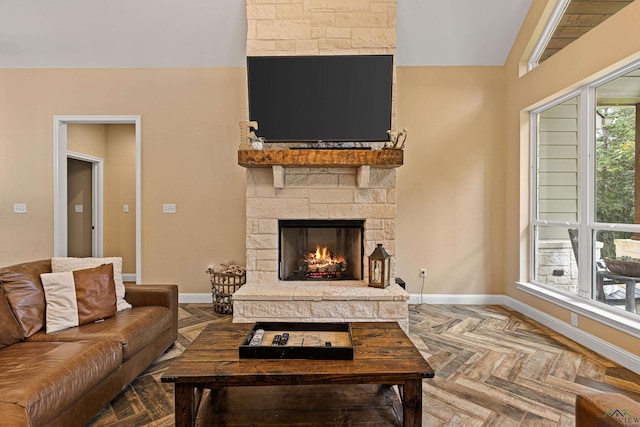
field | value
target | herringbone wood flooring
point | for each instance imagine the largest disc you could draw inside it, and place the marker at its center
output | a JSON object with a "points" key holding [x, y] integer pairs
{"points": [[494, 367]]}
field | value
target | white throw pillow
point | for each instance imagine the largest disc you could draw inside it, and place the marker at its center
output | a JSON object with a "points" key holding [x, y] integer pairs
{"points": [[62, 264], [79, 297]]}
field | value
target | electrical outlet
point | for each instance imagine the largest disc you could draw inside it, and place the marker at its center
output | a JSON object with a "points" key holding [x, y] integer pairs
{"points": [[169, 208], [423, 272], [574, 319]]}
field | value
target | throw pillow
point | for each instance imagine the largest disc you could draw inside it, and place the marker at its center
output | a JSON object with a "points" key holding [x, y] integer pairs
{"points": [[10, 332], [23, 290], [78, 297], [61, 264]]}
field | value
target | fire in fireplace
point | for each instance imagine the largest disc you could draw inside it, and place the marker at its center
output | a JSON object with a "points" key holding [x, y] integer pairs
{"points": [[321, 249]]}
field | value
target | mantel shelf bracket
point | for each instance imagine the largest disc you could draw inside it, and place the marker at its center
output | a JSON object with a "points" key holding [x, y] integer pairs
{"points": [[362, 176], [278, 176]]}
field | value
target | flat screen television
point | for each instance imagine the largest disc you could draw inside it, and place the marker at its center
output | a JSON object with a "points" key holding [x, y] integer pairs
{"points": [[321, 98]]}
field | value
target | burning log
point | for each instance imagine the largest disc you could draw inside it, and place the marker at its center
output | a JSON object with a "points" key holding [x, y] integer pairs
{"points": [[323, 264]]}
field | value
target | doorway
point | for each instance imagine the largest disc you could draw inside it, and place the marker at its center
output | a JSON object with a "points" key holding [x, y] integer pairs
{"points": [[62, 211], [84, 206]]}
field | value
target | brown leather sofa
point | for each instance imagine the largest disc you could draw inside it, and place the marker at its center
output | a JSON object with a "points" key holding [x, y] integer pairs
{"points": [[606, 409], [65, 378]]}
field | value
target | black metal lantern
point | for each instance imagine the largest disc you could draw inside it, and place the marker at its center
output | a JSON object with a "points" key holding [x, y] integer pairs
{"points": [[379, 267]]}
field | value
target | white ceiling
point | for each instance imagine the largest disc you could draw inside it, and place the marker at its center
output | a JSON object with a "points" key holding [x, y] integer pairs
{"points": [[212, 33]]}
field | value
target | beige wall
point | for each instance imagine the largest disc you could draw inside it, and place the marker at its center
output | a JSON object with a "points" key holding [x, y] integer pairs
{"points": [[190, 135], [613, 43], [90, 140], [450, 189], [120, 190]]}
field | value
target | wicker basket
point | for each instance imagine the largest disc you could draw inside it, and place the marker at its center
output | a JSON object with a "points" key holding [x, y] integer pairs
{"points": [[223, 286]]}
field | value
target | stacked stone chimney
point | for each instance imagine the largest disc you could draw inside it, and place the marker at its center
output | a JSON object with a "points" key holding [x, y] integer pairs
{"points": [[303, 28]]}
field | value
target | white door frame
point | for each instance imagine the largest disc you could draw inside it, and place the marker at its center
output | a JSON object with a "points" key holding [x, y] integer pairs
{"points": [[60, 180], [97, 201]]}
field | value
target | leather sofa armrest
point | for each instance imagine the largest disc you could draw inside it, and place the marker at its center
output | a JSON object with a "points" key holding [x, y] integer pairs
{"points": [[610, 409], [158, 295]]}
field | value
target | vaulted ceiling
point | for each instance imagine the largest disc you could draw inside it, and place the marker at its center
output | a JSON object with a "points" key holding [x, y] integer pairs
{"points": [[205, 33], [210, 33]]}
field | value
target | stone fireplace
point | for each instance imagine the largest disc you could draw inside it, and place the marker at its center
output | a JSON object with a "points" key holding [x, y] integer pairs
{"points": [[331, 194], [321, 190]]}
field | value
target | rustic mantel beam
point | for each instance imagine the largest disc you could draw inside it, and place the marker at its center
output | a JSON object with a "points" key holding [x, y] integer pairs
{"points": [[320, 158]]}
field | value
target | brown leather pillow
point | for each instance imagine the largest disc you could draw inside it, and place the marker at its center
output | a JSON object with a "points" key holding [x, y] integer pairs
{"points": [[78, 297], [24, 293], [10, 332]]}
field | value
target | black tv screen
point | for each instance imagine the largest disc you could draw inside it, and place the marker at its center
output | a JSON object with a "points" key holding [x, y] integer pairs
{"points": [[321, 98]]}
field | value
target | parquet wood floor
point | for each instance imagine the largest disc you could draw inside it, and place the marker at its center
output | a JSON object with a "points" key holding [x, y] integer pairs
{"points": [[494, 367]]}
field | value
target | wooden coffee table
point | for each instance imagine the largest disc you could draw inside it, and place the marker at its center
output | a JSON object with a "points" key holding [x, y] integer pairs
{"points": [[383, 354]]}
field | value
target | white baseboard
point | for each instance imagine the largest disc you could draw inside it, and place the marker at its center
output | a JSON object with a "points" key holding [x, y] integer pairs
{"points": [[129, 277], [195, 298], [456, 299]]}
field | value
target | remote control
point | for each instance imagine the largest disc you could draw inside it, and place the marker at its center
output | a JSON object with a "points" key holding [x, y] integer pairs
{"points": [[285, 339], [276, 340], [257, 337]]}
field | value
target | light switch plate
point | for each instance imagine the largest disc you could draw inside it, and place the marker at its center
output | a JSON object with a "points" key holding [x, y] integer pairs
{"points": [[125, 208], [19, 208], [78, 208], [169, 208]]}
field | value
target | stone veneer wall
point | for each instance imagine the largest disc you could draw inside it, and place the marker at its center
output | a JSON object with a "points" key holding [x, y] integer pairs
{"points": [[557, 254], [315, 193], [321, 27]]}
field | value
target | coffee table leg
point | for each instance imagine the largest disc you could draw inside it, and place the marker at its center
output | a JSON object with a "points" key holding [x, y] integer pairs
{"points": [[412, 403], [184, 411]]}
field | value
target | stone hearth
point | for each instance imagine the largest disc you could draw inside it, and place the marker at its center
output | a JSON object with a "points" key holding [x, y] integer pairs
{"points": [[320, 302]]}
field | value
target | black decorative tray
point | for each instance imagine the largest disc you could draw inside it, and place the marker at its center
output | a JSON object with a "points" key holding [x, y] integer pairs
{"points": [[322, 341]]}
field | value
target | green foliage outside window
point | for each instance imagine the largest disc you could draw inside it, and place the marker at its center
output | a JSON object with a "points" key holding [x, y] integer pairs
{"points": [[615, 171]]}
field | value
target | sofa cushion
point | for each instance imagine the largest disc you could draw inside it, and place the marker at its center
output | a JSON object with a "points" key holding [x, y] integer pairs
{"points": [[60, 264], [45, 378], [10, 332], [134, 329], [24, 292], [14, 415], [79, 297]]}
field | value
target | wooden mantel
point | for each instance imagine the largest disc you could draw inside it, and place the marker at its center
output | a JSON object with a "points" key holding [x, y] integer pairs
{"points": [[390, 158]]}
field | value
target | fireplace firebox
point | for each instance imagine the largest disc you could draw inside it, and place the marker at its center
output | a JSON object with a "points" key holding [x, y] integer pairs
{"points": [[321, 249]]}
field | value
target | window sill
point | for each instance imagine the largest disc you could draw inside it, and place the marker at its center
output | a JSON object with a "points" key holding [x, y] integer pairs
{"points": [[615, 318]]}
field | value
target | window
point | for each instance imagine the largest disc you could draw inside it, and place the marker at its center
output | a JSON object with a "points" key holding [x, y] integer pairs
{"points": [[541, 50], [568, 21], [585, 205]]}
